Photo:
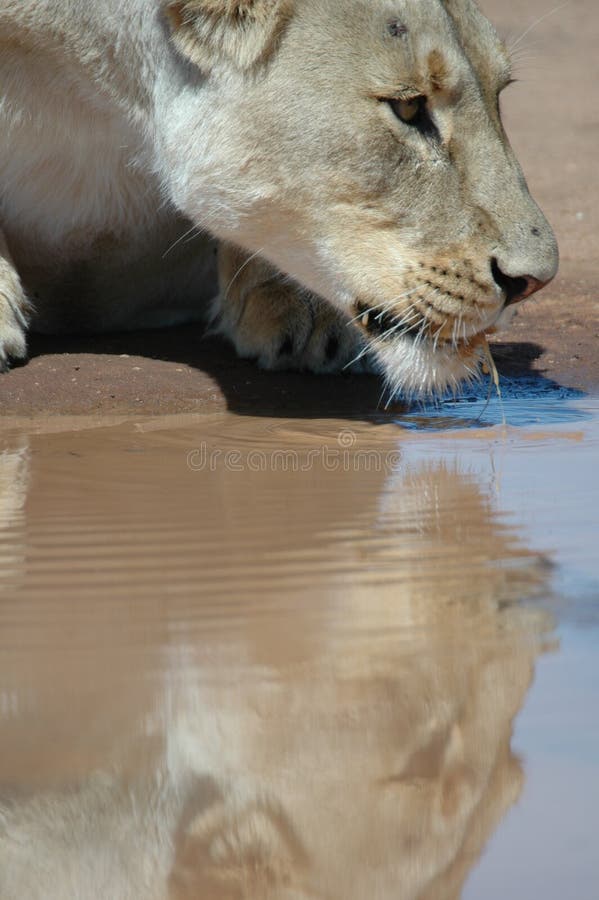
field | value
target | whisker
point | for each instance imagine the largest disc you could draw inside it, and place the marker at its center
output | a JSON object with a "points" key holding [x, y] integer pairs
{"points": [[382, 394], [516, 52], [240, 270], [523, 55], [438, 334], [530, 28], [196, 228], [407, 321], [392, 303], [407, 330], [410, 313], [410, 316], [366, 349], [420, 336], [384, 307]]}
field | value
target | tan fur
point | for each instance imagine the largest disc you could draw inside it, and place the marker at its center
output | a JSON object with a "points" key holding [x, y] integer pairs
{"points": [[278, 323], [13, 307], [268, 124], [243, 31]]}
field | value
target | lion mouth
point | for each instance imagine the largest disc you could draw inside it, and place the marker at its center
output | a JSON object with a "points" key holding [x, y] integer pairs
{"points": [[384, 326], [421, 358]]}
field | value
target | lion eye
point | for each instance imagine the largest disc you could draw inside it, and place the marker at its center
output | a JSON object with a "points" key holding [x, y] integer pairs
{"points": [[409, 110], [415, 113]]}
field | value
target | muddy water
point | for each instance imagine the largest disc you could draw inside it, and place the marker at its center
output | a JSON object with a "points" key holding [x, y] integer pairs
{"points": [[267, 658]]}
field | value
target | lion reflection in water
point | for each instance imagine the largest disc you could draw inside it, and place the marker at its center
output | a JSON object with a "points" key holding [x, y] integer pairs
{"points": [[375, 764]]}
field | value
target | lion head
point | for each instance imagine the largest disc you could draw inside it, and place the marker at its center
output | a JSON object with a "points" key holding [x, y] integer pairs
{"points": [[359, 147]]}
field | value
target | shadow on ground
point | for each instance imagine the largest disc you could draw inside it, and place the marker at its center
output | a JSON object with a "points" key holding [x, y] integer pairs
{"points": [[178, 370]]}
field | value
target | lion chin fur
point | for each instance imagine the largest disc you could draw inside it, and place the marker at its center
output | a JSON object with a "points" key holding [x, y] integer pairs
{"points": [[335, 163]]}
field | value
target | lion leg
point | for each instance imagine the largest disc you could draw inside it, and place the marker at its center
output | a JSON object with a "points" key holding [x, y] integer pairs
{"points": [[13, 310], [271, 319]]}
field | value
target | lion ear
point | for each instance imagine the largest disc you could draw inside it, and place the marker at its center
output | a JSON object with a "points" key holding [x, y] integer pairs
{"points": [[241, 32]]}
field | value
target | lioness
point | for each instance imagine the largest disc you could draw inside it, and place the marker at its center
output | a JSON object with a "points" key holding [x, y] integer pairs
{"points": [[349, 157]]}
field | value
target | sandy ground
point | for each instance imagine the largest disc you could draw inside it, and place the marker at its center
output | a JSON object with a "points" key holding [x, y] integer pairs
{"points": [[552, 116]]}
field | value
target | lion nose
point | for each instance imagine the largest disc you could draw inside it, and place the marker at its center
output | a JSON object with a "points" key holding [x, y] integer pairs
{"points": [[516, 287]]}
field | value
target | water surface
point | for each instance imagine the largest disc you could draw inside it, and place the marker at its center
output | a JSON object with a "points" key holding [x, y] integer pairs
{"points": [[280, 658]]}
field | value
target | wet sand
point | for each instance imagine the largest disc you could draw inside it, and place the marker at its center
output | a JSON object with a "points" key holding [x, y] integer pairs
{"points": [[260, 639]]}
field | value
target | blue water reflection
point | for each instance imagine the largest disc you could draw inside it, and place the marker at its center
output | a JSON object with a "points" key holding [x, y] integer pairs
{"points": [[525, 401]]}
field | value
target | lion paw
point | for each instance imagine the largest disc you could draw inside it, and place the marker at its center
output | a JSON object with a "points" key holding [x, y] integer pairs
{"points": [[269, 319], [283, 329], [13, 311], [13, 327]]}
